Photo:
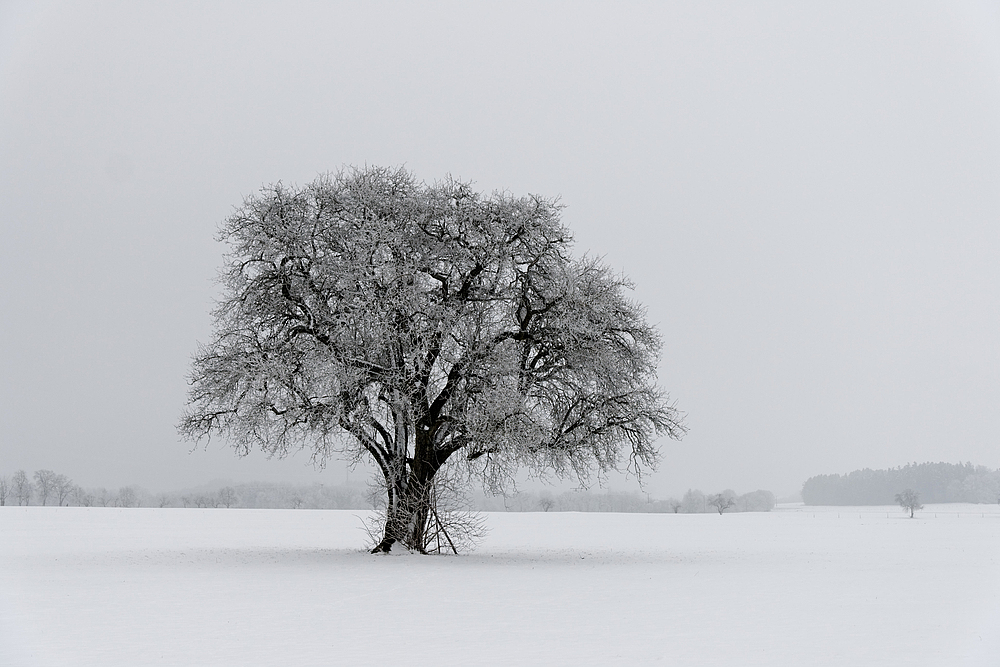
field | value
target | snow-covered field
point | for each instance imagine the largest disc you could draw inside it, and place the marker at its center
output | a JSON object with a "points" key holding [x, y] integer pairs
{"points": [[796, 587]]}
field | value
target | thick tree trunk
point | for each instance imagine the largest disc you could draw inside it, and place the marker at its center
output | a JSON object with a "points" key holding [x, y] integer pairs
{"points": [[406, 518], [409, 498], [395, 508]]}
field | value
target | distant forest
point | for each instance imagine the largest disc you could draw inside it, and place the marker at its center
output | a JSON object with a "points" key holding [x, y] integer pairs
{"points": [[935, 482]]}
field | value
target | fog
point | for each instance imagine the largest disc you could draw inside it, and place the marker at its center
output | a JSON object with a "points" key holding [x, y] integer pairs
{"points": [[804, 195]]}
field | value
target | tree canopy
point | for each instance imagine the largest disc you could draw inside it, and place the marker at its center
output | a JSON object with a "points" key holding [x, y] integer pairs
{"points": [[369, 313]]}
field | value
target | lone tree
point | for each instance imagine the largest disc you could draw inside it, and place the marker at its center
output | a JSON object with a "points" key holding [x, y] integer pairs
{"points": [[128, 497], [21, 486], [45, 483], [721, 502], [227, 496], [368, 313], [909, 500], [62, 487]]}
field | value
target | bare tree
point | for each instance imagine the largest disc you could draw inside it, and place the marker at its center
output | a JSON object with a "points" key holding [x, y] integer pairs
{"points": [[721, 502], [45, 484], [105, 497], [909, 500], [227, 496], [82, 497], [694, 502], [62, 487], [205, 500], [674, 505], [546, 502], [373, 315], [5, 490], [128, 497], [22, 487], [756, 501]]}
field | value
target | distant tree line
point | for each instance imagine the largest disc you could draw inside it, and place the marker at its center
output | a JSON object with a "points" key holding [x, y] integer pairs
{"points": [[934, 482], [271, 495], [693, 502], [46, 487]]}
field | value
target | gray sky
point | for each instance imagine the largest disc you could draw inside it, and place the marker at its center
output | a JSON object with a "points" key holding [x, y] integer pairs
{"points": [[805, 195]]}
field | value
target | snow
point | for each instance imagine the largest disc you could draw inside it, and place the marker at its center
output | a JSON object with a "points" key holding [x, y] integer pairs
{"points": [[796, 586]]}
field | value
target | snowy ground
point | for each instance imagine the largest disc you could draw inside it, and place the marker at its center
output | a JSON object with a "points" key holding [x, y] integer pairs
{"points": [[796, 587]]}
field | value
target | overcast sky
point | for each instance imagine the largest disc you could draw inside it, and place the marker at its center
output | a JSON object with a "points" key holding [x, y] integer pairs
{"points": [[806, 197]]}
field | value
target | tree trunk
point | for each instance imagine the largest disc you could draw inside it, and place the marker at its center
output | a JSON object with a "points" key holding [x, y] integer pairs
{"points": [[409, 497], [395, 508], [406, 517]]}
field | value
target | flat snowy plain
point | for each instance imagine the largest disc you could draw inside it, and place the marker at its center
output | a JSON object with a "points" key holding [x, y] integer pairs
{"points": [[797, 586]]}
